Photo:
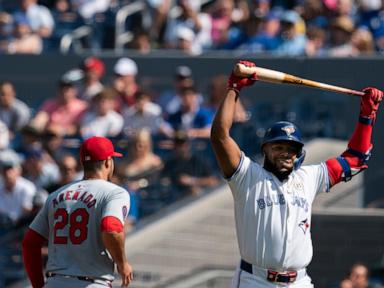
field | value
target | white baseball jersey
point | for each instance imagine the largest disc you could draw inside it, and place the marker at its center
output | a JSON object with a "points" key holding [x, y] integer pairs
{"points": [[273, 218], [71, 220]]}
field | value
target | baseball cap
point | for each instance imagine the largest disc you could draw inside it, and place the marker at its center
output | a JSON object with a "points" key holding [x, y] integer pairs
{"points": [[97, 149], [344, 23], [125, 66], [185, 33], [9, 159], [290, 16], [94, 64], [183, 72]]}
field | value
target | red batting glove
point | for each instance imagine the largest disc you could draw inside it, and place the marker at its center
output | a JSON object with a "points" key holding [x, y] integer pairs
{"points": [[370, 102], [236, 83]]}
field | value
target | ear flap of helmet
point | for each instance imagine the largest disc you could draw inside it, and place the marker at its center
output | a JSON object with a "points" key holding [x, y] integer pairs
{"points": [[299, 160]]}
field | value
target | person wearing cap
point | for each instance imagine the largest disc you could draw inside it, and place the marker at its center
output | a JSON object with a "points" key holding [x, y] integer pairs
{"points": [[62, 111], [291, 40], [341, 30], [273, 200], [187, 172], [94, 70], [83, 223], [124, 83], [170, 100], [16, 192], [195, 119]]}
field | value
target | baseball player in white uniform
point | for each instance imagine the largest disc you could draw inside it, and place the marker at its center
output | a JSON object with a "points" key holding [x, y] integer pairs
{"points": [[83, 223], [273, 202]]}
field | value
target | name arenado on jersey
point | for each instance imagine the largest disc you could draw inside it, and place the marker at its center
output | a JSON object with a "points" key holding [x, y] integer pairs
{"points": [[75, 195], [279, 199]]}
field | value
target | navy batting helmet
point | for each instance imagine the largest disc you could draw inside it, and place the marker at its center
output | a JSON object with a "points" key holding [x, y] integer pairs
{"points": [[285, 131]]}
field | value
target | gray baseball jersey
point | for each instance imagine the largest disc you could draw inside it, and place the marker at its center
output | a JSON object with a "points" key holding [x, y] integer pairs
{"points": [[71, 219], [273, 218]]}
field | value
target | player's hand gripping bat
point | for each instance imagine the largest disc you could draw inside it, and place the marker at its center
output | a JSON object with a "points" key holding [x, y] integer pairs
{"points": [[273, 76]]}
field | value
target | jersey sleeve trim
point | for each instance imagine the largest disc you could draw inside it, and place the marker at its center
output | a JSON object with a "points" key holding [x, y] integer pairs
{"points": [[111, 224], [228, 179]]}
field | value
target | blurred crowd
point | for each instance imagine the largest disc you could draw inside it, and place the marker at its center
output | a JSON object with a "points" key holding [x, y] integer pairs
{"points": [[361, 276], [313, 28], [165, 142]]}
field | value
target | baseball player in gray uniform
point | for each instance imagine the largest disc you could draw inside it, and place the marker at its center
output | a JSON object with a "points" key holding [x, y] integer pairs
{"points": [[273, 202], [83, 223]]}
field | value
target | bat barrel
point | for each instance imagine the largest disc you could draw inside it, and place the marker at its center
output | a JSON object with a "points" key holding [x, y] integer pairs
{"points": [[323, 86]]}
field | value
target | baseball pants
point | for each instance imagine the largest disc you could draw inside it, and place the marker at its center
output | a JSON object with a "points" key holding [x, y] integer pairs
{"points": [[243, 279]]}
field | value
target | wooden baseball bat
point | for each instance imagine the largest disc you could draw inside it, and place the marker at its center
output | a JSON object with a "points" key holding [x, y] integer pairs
{"points": [[268, 75]]}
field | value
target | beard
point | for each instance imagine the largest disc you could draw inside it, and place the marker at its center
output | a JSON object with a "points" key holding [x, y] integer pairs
{"points": [[281, 174]]}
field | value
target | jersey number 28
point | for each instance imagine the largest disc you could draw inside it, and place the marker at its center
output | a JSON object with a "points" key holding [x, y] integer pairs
{"points": [[78, 226]]}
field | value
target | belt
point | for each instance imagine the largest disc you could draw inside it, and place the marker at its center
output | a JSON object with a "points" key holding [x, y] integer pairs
{"points": [[273, 276], [81, 278]]}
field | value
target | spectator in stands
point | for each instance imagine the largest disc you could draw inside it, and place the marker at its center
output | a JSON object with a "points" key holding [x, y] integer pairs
{"points": [[101, 119], [185, 171], [66, 20], [63, 111], [30, 137], [185, 41], [41, 169], [69, 172], [143, 114], [16, 192], [52, 142], [371, 16], [198, 32], [4, 136], [141, 41], [341, 29], [316, 40], [217, 88], [362, 42], [313, 13], [5, 29], [170, 101], [125, 83], [159, 10], [291, 39], [142, 166], [39, 17], [346, 283], [221, 21], [13, 112], [94, 70], [359, 275], [23, 40], [260, 34], [192, 118]]}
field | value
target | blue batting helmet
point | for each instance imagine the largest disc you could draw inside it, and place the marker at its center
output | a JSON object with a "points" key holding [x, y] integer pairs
{"points": [[283, 131], [286, 131]]}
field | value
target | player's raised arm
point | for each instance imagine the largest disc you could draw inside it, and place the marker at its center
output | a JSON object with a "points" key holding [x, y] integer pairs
{"points": [[226, 149], [355, 158]]}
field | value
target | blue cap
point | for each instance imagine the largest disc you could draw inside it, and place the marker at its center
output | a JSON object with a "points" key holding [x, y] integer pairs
{"points": [[290, 16]]}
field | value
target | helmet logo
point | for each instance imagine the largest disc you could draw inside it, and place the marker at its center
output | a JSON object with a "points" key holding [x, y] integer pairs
{"points": [[288, 130]]}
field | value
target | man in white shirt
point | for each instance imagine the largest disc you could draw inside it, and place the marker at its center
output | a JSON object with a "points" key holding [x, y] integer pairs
{"points": [[16, 192]]}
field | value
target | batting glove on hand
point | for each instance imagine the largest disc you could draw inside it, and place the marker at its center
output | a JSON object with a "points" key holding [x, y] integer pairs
{"points": [[236, 83], [370, 102]]}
